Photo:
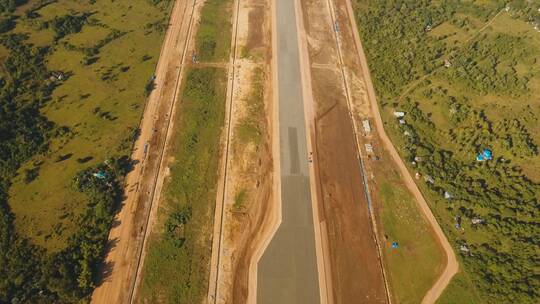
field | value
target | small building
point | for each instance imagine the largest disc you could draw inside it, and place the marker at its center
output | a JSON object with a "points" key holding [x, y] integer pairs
{"points": [[399, 114], [417, 175], [429, 179], [402, 121], [485, 155], [447, 195], [366, 125], [464, 248], [428, 27], [369, 148]]}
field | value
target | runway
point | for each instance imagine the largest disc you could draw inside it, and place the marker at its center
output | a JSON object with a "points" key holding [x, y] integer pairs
{"points": [[287, 271]]}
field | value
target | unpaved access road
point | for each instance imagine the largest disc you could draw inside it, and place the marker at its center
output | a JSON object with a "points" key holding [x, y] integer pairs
{"points": [[142, 183]]}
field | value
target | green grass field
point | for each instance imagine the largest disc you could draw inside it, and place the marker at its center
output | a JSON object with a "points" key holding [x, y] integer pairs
{"points": [[460, 290], [177, 263], [487, 98], [213, 39], [418, 254], [176, 267], [100, 103]]}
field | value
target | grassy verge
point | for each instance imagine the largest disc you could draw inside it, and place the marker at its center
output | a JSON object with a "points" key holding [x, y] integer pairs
{"points": [[213, 41], [249, 127], [176, 268], [418, 254], [460, 291], [177, 262]]}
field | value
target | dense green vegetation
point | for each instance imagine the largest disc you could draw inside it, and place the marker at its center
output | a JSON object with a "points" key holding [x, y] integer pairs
{"points": [[485, 98], [61, 263], [30, 275], [9, 5], [180, 253], [68, 24], [23, 129], [23, 132], [213, 37], [180, 247]]}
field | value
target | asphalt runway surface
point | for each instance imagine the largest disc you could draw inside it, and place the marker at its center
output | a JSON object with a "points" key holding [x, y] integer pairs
{"points": [[287, 271]]}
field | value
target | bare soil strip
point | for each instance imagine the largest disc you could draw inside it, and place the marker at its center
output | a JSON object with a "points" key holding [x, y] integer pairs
{"points": [[339, 38], [355, 262], [243, 200], [126, 238]]}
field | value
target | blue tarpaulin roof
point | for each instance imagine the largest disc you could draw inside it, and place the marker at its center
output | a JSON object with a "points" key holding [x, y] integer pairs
{"points": [[484, 155], [100, 175]]}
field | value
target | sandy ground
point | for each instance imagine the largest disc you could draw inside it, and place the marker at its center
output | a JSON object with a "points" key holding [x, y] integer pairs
{"points": [[245, 166], [128, 233], [365, 85], [356, 270]]}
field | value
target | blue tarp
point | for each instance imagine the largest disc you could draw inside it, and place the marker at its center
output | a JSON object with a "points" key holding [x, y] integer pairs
{"points": [[395, 245], [99, 175], [484, 155]]}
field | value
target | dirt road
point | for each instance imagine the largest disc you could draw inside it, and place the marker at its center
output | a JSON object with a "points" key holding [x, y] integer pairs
{"points": [[452, 265], [128, 233]]}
